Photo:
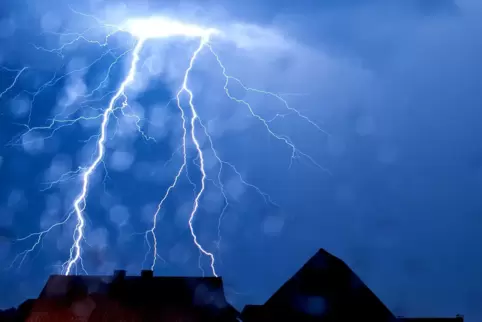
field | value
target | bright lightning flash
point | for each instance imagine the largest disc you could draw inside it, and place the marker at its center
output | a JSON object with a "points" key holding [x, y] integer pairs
{"points": [[164, 27], [142, 30]]}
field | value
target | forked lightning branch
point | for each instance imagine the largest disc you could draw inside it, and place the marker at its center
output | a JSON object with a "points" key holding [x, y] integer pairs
{"points": [[144, 30]]}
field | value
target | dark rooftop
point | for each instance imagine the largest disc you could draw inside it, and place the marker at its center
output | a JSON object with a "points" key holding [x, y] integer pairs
{"points": [[324, 289]]}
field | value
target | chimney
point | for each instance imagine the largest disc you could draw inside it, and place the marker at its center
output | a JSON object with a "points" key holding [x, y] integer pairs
{"points": [[147, 273], [119, 274]]}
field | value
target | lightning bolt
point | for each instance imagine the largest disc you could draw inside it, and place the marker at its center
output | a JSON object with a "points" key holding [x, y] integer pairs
{"points": [[14, 82], [195, 117], [80, 202], [86, 173], [185, 88], [199, 152], [142, 30], [296, 153], [58, 123]]}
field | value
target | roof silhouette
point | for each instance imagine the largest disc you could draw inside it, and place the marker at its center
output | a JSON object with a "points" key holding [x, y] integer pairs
{"points": [[324, 289], [458, 318]]}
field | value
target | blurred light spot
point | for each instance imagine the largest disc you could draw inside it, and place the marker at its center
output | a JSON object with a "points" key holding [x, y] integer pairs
{"points": [[128, 126], [154, 67], [183, 213], [234, 188], [125, 234], [201, 295], [273, 225], [17, 200], [20, 106], [83, 308], [77, 64], [121, 160], [50, 22], [214, 128], [33, 143], [313, 305], [119, 215], [47, 219], [210, 160], [60, 165], [158, 120], [137, 109], [73, 90], [147, 213]]}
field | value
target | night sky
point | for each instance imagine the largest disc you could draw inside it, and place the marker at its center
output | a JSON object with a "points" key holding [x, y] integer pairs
{"points": [[390, 182]]}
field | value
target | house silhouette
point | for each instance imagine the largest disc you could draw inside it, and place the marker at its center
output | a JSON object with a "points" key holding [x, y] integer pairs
{"points": [[324, 289]]}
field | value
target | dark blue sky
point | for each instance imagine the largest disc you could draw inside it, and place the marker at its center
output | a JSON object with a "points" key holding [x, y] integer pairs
{"points": [[395, 83]]}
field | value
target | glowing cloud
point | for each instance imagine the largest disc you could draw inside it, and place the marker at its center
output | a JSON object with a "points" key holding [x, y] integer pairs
{"points": [[163, 27]]}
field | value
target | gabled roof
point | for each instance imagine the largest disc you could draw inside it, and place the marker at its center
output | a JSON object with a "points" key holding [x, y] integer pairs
{"points": [[324, 289]]}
